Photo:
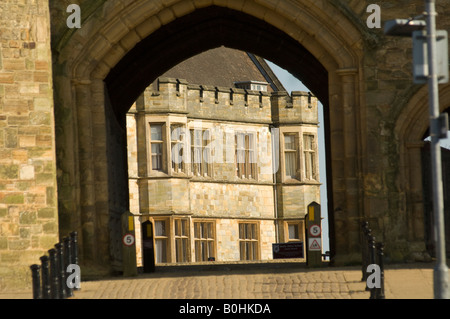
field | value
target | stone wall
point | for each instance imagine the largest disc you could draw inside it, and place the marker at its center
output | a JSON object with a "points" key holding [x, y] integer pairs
{"points": [[374, 173], [28, 194], [228, 239], [232, 104], [268, 199], [231, 200]]}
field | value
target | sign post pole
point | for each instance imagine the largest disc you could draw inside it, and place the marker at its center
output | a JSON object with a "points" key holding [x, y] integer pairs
{"points": [[313, 220], [128, 245]]}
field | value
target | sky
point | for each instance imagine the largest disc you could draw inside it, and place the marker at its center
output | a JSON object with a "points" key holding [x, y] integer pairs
{"points": [[291, 83]]}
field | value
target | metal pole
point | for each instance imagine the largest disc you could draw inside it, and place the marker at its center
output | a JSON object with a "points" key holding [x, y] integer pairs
{"points": [[54, 274], [440, 270], [373, 291], [35, 273], [380, 254], [46, 288], [62, 271], [364, 249], [67, 261]]}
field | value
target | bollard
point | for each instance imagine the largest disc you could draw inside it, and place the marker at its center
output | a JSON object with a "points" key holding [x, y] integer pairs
{"points": [[74, 249], [372, 261], [35, 275], [364, 249], [61, 270], [54, 280], [49, 278], [380, 254], [46, 289], [67, 261], [372, 253]]}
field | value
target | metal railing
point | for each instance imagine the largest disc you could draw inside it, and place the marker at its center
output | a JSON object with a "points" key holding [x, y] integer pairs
{"points": [[49, 279], [372, 254]]}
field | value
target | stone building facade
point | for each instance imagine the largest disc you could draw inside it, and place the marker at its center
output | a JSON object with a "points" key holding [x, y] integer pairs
{"points": [[65, 92], [221, 172]]}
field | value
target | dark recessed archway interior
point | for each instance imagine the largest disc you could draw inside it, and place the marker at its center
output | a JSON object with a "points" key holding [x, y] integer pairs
{"points": [[209, 28], [202, 30], [428, 191], [427, 133]]}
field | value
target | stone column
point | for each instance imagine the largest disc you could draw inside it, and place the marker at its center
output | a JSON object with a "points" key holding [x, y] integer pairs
{"points": [[86, 169], [348, 198]]}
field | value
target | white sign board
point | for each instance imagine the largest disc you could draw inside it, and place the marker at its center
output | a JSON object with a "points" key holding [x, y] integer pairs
{"points": [[314, 244]]}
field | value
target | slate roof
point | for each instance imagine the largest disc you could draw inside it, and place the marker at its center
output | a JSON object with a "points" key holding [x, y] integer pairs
{"points": [[222, 67]]}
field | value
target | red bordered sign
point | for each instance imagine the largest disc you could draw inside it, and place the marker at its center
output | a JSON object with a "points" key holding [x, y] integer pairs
{"points": [[128, 240], [315, 231]]}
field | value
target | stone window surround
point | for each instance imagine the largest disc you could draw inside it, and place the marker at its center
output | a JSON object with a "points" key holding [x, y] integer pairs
{"points": [[257, 240], [196, 223], [299, 132]]}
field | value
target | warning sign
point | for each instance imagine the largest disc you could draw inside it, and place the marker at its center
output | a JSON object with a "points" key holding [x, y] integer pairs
{"points": [[314, 244]]}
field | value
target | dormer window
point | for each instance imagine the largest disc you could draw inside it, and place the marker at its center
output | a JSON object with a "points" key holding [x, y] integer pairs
{"points": [[252, 85]]}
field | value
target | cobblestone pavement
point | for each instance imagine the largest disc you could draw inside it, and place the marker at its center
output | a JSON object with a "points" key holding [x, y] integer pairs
{"points": [[231, 285], [401, 282]]}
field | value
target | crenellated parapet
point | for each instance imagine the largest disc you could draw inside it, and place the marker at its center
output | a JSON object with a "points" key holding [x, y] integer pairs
{"points": [[170, 95], [299, 107]]}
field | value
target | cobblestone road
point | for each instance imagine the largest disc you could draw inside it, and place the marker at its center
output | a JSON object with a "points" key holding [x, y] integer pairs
{"points": [[268, 282]]}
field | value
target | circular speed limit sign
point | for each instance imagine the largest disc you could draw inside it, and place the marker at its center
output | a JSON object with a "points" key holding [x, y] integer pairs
{"points": [[314, 230], [128, 240]]}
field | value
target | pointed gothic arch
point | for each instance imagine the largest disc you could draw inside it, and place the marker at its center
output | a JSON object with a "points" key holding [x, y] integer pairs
{"points": [[101, 67]]}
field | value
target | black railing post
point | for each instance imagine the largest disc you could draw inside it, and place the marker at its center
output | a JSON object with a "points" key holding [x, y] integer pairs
{"points": [[67, 261], [380, 254], [364, 249], [369, 258], [74, 246], [54, 280], [372, 261], [74, 250], [61, 270], [46, 288], [49, 278], [36, 277]]}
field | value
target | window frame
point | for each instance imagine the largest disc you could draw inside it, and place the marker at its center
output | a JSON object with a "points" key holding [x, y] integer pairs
{"points": [[246, 155], [296, 152], [162, 147], [204, 166], [254, 243], [166, 237], [310, 155], [178, 168], [183, 238], [198, 240], [301, 231]]}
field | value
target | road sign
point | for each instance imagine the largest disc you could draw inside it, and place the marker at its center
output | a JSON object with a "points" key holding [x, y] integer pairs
{"points": [[314, 244], [420, 56], [315, 231], [128, 240]]}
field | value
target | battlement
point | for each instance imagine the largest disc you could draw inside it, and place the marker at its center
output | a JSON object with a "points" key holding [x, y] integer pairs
{"points": [[299, 107], [224, 103]]}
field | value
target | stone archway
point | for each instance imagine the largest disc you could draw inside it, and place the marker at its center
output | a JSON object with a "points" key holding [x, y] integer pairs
{"points": [[88, 111], [411, 127]]}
